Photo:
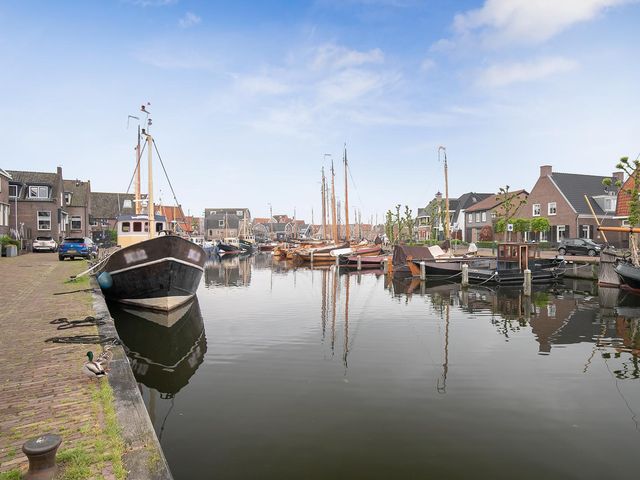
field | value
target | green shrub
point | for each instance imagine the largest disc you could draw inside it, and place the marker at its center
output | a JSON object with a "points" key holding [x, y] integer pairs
{"points": [[7, 240]]}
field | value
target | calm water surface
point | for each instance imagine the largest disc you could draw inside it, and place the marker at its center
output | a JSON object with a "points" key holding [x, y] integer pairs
{"points": [[277, 373]]}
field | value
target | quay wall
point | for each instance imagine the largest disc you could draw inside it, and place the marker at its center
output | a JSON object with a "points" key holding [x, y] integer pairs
{"points": [[143, 458], [582, 270]]}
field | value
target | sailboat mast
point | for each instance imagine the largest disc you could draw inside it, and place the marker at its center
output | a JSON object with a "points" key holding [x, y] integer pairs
{"points": [[333, 204], [150, 208], [446, 194], [324, 206], [138, 206], [346, 197]]}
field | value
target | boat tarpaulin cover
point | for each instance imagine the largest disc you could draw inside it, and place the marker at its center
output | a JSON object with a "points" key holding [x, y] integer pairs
{"points": [[401, 252]]}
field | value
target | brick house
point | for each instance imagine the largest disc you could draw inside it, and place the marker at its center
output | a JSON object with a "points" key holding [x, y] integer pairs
{"points": [[484, 214], [5, 226], [41, 209], [560, 197], [176, 219], [105, 208], [77, 196], [225, 222]]}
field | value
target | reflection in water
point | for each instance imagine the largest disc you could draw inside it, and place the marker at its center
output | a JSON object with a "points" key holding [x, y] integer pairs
{"points": [[304, 360]]}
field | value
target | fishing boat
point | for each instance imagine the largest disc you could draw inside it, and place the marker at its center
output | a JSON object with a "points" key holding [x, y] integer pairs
{"points": [[629, 275], [154, 269]]}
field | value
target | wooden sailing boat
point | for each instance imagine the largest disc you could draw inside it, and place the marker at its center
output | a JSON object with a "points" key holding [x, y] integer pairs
{"points": [[154, 269]]}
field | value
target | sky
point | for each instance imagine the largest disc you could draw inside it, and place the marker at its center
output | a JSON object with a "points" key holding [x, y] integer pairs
{"points": [[248, 97]]}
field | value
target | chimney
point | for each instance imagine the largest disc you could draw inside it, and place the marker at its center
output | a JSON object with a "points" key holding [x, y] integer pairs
{"points": [[546, 170], [618, 177], [59, 171]]}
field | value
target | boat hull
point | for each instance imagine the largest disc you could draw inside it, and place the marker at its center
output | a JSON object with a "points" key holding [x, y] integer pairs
{"points": [[159, 274], [629, 275]]}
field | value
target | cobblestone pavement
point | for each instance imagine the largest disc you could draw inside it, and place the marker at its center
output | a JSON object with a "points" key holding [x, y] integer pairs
{"points": [[42, 388]]}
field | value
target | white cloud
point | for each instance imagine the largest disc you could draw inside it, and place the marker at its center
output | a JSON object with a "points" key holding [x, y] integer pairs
{"points": [[337, 57], [501, 75], [528, 21], [189, 20], [427, 64], [350, 85]]}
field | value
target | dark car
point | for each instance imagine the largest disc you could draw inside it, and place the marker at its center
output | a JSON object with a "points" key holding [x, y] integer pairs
{"points": [[73, 247], [579, 246]]}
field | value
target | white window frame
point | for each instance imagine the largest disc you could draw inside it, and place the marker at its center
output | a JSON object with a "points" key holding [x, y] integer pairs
{"points": [[478, 217], [585, 231], [484, 216], [38, 189], [560, 228], [44, 218], [76, 218], [17, 187], [552, 208], [240, 213], [67, 198], [220, 223], [471, 218], [544, 236], [535, 210], [4, 215]]}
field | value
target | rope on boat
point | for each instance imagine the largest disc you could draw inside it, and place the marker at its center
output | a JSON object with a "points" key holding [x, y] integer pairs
{"points": [[488, 279], [93, 267]]}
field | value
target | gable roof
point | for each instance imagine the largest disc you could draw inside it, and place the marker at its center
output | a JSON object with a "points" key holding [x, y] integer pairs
{"points": [[575, 186], [492, 201], [79, 192], [624, 197], [5, 174], [36, 178], [110, 205], [471, 198]]}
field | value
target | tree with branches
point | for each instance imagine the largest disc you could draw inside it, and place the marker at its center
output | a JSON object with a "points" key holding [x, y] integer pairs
{"points": [[509, 203]]}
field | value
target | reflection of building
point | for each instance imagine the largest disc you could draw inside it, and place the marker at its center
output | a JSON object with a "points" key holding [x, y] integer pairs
{"points": [[228, 272]]}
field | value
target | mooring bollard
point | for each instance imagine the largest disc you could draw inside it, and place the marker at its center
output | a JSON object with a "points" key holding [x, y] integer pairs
{"points": [[41, 453], [465, 275], [359, 262], [423, 273], [527, 282], [385, 265], [312, 258]]}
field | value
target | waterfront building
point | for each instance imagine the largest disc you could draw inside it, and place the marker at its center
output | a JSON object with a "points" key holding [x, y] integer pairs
{"points": [[430, 218], [105, 208], [77, 198], [5, 207], [560, 197], [481, 217]]}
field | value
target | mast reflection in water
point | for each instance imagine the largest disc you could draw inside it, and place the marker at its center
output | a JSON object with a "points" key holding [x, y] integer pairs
{"points": [[317, 374]]}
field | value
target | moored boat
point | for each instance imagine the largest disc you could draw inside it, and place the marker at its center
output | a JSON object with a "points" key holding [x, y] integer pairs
{"points": [[629, 274]]}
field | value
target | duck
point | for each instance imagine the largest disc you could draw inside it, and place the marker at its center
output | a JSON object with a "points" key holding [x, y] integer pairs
{"points": [[92, 368]]}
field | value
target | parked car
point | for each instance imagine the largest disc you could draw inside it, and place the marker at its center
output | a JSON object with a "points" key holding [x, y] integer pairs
{"points": [[73, 247], [44, 244], [579, 246]]}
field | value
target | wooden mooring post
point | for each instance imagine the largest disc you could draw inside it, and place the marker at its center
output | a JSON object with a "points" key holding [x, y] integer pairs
{"points": [[423, 271], [359, 262], [465, 275], [527, 282]]}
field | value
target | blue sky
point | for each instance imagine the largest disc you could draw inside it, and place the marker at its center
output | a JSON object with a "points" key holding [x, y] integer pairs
{"points": [[247, 97]]}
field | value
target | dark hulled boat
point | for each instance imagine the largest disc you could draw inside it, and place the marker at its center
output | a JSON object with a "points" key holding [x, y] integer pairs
{"points": [[161, 273], [629, 274]]}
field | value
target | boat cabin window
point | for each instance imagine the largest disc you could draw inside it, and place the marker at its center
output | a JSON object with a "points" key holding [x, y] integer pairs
{"points": [[126, 227], [137, 226], [159, 227], [146, 226]]}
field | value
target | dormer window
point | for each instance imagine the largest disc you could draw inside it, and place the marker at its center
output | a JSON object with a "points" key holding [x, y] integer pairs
{"points": [[37, 192], [67, 198], [13, 191]]}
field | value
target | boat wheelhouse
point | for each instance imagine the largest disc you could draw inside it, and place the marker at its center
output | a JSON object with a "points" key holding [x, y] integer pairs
{"points": [[133, 229]]}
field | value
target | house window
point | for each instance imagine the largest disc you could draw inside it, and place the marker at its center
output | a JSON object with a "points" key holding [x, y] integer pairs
{"points": [[137, 226], [213, 212], [67, 198], [470, 217], [76, 222], [13, 191], [561, 230], [552, 208], [543, 236], [4, 215], [239, 213], [126, 227], [484, 216], [536, 210], [38, 192], [585, 231], [221, 223], [44, 220], [610, 204], [493, 215], [478, 217]]}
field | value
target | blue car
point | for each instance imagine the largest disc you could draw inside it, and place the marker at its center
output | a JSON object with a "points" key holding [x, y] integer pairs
{"points": [[73, 247]]}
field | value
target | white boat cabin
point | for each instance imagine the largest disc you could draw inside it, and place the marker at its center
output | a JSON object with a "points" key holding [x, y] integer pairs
{"points": [[133, 229]]}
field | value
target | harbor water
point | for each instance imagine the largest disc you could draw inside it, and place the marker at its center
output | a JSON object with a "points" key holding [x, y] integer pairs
{"points": [[276, 373]]}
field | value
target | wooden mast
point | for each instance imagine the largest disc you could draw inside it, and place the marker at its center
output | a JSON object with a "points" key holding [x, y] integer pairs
{"points": [[346, 197], [150, 208], [446, 194], [333, 205], [138, 206], [324, 207]]}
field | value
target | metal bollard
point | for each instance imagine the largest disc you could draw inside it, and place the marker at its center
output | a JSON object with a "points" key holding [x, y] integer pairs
{"points": [[465, 275], [41, 453], [423, 273], [359, 262], [527, 282]]}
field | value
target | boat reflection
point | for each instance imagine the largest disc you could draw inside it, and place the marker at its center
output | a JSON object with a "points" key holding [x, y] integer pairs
{"points": [[163, 359], [232, 271]]}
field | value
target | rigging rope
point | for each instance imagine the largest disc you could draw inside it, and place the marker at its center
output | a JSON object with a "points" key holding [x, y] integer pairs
{"points": [[137, 167], [165, 173]]}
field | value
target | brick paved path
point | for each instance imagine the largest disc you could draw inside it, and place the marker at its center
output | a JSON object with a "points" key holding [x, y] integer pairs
{"points": [[42, 388]]}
